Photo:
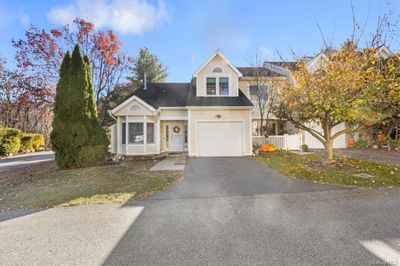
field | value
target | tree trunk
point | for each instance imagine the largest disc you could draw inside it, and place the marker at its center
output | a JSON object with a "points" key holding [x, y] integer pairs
{"points": [[329, 151]]}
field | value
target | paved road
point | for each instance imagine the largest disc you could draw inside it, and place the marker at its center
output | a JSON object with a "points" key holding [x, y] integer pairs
{"points": [[329, 227], [25, 160]]}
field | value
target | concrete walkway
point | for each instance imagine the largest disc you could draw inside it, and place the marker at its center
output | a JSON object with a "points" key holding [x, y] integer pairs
{"points": [[169, 164], [25, 160]]}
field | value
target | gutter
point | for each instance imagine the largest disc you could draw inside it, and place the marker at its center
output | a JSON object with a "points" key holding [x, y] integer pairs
{"points": [[109, 112]]}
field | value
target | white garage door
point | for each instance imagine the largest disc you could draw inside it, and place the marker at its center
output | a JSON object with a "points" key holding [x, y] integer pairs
{"points": [[221, 138]]}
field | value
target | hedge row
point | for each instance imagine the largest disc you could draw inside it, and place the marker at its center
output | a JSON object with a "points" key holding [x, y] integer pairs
{"points": [[13, 141]]}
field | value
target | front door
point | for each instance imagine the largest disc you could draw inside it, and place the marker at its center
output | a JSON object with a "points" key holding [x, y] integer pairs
{"points": [[175, 137]]}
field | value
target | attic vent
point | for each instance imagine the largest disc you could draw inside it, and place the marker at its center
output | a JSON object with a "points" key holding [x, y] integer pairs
{"points": [[217, 70], [135, 108]]}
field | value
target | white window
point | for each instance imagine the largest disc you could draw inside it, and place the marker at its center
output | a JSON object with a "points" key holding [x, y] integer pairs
{"points": [[150, 133], [211, 86], [135, 133], [262, 92], [217, 70], [123, 133], [218, 86], [224, 86]]}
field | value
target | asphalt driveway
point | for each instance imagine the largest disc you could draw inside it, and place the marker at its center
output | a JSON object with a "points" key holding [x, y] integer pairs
{"points": [[234, 176]]}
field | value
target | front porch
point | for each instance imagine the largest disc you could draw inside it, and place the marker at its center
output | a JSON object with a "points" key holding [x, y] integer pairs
{"points": [[148, 135]]}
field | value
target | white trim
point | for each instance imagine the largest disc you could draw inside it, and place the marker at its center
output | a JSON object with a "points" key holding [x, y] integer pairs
{"points": [[119, 135], [189, 131], [217, 76], [126, 134], [174, 118], [145, 133], [157, 133], [172, 108], [218, 107], [134, 97], [219, 120], [218, 52], [251, 133]]}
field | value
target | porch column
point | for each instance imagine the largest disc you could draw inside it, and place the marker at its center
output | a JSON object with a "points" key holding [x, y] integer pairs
{"points": [[158, 135], [190, 152], [276, 127], [119, 135], [145, 134], [126, 134]]}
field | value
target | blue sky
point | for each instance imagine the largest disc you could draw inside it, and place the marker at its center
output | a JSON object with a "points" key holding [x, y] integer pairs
{"points": [[184, 33]]}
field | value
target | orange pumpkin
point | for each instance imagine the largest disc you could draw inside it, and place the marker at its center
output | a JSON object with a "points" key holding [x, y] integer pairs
{"points": [[268, 148], [381, 137]]}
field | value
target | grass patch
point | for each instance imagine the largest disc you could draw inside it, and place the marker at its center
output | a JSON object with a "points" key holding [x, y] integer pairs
{"points": [[309, 167], [47, 186]]}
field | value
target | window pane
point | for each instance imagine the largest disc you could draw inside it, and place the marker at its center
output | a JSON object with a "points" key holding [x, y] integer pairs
{"points": [[211, 86], [150, 133], [166, 135], [224, 86], [263, 92], [123, 133], [136, 133]]}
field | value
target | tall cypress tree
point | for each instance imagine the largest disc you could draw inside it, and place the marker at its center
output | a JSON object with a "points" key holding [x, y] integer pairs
{"points": [[61, 119], [77, 137]]}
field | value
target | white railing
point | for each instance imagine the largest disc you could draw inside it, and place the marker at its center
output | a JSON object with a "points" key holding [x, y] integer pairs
{"points": [[284, 142]]}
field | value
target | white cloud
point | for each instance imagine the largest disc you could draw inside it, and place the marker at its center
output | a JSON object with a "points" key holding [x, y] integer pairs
{"points": [[125, 16]]}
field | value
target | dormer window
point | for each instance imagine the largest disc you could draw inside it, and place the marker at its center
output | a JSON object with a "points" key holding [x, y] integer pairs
{"points": [[211, 86], [224, 86], [217, 85], [217, 70]]}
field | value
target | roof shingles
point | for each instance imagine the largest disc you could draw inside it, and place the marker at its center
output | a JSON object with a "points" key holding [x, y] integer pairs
{"points": [[182, 95]]}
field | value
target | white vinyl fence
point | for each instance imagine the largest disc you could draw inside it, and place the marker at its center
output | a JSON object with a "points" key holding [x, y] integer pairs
{"points": [[284, 142]]}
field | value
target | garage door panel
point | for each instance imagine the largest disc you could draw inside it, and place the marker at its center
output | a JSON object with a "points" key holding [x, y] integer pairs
{"points": [[221, 138]]}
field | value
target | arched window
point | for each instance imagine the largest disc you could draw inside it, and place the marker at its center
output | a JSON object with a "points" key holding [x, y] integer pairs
{"points": [[135, 107], [217, 70]]}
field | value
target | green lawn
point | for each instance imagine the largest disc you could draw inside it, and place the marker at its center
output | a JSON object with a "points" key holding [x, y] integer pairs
{"points": [[309, 167], [46, 186]]}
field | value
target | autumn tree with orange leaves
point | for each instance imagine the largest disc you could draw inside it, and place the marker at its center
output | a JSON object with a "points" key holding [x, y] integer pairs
{"points": [[350, 85], [40, 53]]}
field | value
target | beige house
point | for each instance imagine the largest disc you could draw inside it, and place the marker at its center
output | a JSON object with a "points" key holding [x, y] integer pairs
{"points": [[210, 116]]}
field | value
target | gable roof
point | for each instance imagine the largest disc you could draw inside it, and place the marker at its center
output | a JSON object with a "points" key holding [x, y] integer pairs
{"points": [[163, 94], [260, 71], [217, 53], [180, 95], [240, 100]]}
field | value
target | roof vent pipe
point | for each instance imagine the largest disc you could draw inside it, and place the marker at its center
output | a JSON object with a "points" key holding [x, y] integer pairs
{"points": [[144, 82]]}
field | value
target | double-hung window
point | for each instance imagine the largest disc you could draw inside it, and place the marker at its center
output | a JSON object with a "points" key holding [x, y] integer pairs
{"points": [[224, 86], [211, 86], [150, 133], [259, 91], [218, 86], [136, 133]]}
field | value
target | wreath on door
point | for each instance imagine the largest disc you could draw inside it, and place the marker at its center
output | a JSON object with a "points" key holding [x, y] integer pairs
{"points": [[176, 129]]}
